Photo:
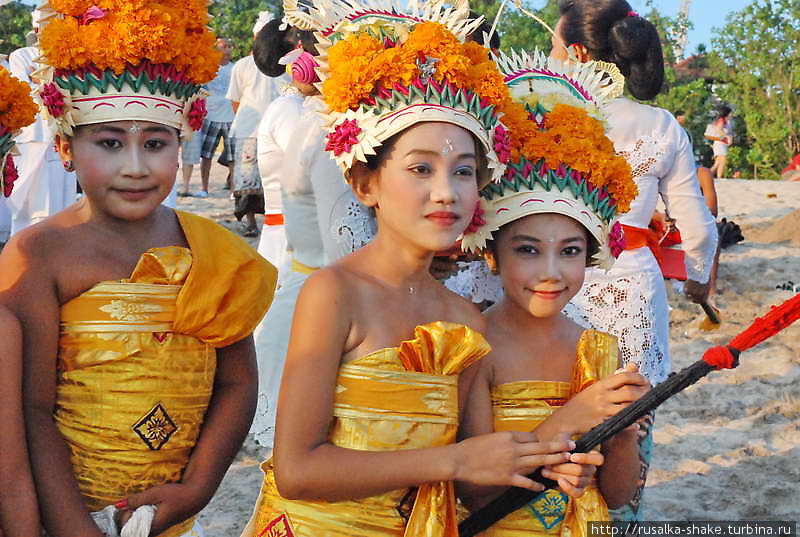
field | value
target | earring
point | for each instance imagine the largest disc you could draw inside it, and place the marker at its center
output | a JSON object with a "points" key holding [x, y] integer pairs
{"points": [[69, 166]]}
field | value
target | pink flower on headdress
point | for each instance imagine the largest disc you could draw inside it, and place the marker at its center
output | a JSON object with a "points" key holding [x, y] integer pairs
{"points": [[616, 240], [502, 144], [9, 176], [52, 99], [344, 137], [477, 219], [91, 14], [197, 114]]}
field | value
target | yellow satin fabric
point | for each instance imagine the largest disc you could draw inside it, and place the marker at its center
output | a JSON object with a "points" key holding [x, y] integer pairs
{"points": [[300, 268], [132, 388], [398, 398], [522, 406], [229, 288]]}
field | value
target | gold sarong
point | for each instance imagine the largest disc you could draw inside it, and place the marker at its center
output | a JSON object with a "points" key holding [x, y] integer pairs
{"points": [[398, 398], [522, 406], [137, 359]]}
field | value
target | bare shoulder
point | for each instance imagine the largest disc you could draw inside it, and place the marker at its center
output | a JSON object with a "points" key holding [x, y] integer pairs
{"points": [[463, 311], [37, 240], [29, 253], [328, 293], [497, 333]]}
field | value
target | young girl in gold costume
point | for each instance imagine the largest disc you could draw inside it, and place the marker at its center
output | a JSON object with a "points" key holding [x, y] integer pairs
{"points": [[19, 515], [379, 358], [140, 376], [553, 214]]}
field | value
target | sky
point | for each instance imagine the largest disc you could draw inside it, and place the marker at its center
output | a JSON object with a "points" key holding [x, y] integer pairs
{"points": [[704, 14]]}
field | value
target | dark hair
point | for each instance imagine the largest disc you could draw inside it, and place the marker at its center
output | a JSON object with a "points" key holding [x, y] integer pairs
{"points": [[679, 112], [271, 44], [724, 111], [612, 32], [484, 28]]}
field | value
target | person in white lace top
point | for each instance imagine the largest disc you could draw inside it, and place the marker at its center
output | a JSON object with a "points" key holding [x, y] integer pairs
{"points": [[322, 219], [630, 300]]}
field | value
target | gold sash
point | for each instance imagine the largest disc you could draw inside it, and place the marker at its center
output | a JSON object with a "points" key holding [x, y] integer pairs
{"points": [[522, 406], [397, 398]]}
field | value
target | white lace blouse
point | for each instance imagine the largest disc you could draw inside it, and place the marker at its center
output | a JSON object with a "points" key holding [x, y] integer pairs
{"points": [[660, 154]]}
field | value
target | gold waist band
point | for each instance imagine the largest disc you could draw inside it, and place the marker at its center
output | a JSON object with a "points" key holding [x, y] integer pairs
{"points": [[121, 307], [365, 392]]}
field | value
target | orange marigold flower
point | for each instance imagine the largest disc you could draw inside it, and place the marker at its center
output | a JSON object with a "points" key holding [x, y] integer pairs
{"points": [[131, 31], [17, 108], [73, 8]]}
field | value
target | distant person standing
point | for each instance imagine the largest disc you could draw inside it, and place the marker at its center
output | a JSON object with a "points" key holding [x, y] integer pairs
{"points": [[719, 132], [44, 187], [250, 93], [216, 126]]}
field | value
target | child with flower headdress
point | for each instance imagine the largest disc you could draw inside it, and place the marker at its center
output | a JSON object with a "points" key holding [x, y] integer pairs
{"points": [[19, 514], [552, 215], [379, 357], [139, 381]]}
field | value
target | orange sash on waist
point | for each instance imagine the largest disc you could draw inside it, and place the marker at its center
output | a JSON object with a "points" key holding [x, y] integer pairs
{"points": [[637, 237]]}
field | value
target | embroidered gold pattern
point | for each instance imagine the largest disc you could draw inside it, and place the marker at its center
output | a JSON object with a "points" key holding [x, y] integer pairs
{"points": [[278, 528], [155, 428], [127, 310]]}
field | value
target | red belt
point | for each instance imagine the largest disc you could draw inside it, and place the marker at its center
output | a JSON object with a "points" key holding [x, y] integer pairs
{"points": [[637, 237], [273, 219]]}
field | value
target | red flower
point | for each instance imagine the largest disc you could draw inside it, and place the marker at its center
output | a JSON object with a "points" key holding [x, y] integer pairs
{"points": [[502, 144], [616, 240], [344, 137], [52, 99], [92, 14], [9, 176], [197, 114], [477, 219]]}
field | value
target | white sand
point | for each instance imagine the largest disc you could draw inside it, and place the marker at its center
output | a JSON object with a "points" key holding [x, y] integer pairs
{"points": [[727, 448]]}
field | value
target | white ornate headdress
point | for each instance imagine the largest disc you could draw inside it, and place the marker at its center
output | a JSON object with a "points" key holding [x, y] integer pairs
{"points": [[143, 60], [386, 65], [562, 160]]}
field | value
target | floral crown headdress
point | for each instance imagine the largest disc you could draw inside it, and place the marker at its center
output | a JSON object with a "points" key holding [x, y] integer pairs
{"points": [[562, 161], [113, 60], [17, 110], [386, 65]]}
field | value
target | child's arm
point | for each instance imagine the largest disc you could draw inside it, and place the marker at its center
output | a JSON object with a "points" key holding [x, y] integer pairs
{"points": [[572, 476], [28, 288], [19, 513], [478, 420], [225, 427], [595, 404], [307, 466], [618, 476]]}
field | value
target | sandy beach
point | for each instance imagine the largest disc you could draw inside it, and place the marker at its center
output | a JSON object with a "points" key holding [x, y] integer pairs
{"points": [[727, 448]]}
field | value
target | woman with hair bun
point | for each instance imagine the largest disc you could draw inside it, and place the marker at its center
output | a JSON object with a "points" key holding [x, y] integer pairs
{"points": [[630, 301]]}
